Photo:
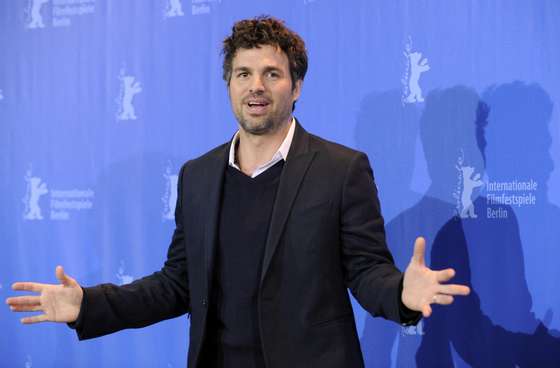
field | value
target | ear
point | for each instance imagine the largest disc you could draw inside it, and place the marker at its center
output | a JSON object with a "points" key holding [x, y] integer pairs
{"points": [[297, 89]]}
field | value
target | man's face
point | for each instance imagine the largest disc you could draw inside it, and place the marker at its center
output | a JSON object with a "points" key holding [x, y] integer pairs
{"points": [[260, 89]]}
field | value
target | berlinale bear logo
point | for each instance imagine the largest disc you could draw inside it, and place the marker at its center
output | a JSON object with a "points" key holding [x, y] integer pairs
{"points": [[169, 198], [415, 66], [174, 9], [129, 88], [36, 19], [468, 181], [35, 189]]}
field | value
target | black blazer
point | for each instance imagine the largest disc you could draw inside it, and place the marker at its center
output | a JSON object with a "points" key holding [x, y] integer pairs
{"points": [[326, 235]]}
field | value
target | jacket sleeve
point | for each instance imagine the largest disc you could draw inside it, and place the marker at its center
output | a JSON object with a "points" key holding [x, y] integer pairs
{"points": [[369, 268], [108, 308]]}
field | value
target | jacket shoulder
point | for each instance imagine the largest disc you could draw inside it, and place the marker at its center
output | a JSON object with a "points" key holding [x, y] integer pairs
{"points": [[334, 151]]}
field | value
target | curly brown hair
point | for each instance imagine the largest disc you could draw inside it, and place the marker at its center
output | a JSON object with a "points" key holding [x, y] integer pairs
{"points": [[266, 30]]}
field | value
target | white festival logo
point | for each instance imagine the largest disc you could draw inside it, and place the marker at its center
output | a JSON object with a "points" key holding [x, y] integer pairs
{"points": [[468, 181], [174, 8], [1, 95], [417, 330], [35, 189], [169, 198], [129, 88], [416, 65], [200, 7], [35, 14], [122, 277]]}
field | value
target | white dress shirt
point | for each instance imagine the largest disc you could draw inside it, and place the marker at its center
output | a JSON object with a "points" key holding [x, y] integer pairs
{"points": [[281, 153]]}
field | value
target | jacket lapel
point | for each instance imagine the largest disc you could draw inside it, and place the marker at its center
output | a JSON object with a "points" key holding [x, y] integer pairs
{"points": [[213, 184], [296, 165]]}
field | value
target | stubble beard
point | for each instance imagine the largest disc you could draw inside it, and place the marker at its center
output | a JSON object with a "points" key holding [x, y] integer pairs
{"points": [[269, 124], [261, 128]]}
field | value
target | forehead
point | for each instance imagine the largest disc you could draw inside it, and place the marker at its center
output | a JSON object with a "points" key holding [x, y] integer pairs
{"points": [[262, 56]]}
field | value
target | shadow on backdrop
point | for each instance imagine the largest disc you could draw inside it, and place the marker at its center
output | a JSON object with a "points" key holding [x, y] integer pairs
{"points": [[448, 136], [494, 326], [524, 111], [386, 131]]}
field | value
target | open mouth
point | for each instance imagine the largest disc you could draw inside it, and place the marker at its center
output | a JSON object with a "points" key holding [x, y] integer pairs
{"points": [[257, 103], [257, 106]]}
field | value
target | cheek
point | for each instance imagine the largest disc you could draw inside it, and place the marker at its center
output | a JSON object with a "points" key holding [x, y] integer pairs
{"points": [[234, 97], [233, 90]]}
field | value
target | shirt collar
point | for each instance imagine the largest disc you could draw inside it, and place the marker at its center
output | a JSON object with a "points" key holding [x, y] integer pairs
{"points": [[281, 153]]}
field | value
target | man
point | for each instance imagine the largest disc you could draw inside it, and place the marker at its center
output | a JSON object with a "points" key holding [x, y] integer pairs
{"points": [[271, 230]]}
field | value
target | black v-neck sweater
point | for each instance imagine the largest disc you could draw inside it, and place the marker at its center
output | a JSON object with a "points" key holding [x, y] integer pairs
{"points": [[233, 338]]}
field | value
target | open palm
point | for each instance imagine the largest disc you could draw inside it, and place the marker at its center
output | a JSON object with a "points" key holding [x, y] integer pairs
{"points": [[423, 286], [59, 303]]}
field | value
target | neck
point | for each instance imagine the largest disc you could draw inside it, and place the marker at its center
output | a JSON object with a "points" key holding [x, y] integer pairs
{"points": [[256, 150]]}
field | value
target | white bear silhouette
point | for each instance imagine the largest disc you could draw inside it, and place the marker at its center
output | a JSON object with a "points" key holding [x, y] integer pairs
{"points": [[470, 182], [171, 196], [130, 88], [36, 18], [35, 190], [417, 67], [174, 9]]}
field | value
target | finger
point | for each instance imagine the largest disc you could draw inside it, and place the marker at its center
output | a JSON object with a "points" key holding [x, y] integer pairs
{"points": [[34, 319], [442, 299], [26, 308], [419, 249], [454, 289], [445, 275], [426, 311], [27, 286], [62, 277], [24, 300]]}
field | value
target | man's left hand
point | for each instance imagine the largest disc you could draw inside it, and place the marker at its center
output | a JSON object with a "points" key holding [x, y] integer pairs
{"points": [[423, 286]]}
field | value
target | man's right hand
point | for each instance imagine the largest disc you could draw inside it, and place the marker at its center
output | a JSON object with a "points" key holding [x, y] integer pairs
{"points": [[59, 303]]}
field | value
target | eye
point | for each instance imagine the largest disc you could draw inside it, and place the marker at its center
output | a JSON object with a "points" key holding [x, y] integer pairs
{"points": [[242, 75], [272, 75]]}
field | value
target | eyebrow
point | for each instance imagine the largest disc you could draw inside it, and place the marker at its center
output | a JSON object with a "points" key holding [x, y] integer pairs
{"points": [[241, 69], [247, 69], [272, 69]]}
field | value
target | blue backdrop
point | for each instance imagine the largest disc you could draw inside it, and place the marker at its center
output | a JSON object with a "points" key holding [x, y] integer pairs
{"points": [[454, 102]]}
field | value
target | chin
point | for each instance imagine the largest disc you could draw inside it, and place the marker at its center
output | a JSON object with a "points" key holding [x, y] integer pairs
{"points": [[258, 130], [256, 127]]}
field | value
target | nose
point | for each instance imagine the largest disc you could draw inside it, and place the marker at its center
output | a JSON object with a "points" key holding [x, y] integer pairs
{"points": [[256, 85]]}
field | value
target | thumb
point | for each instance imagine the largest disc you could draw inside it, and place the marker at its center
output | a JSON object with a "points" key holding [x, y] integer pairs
{"points": [[419, 249], [426, 311], [62, 277]]}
